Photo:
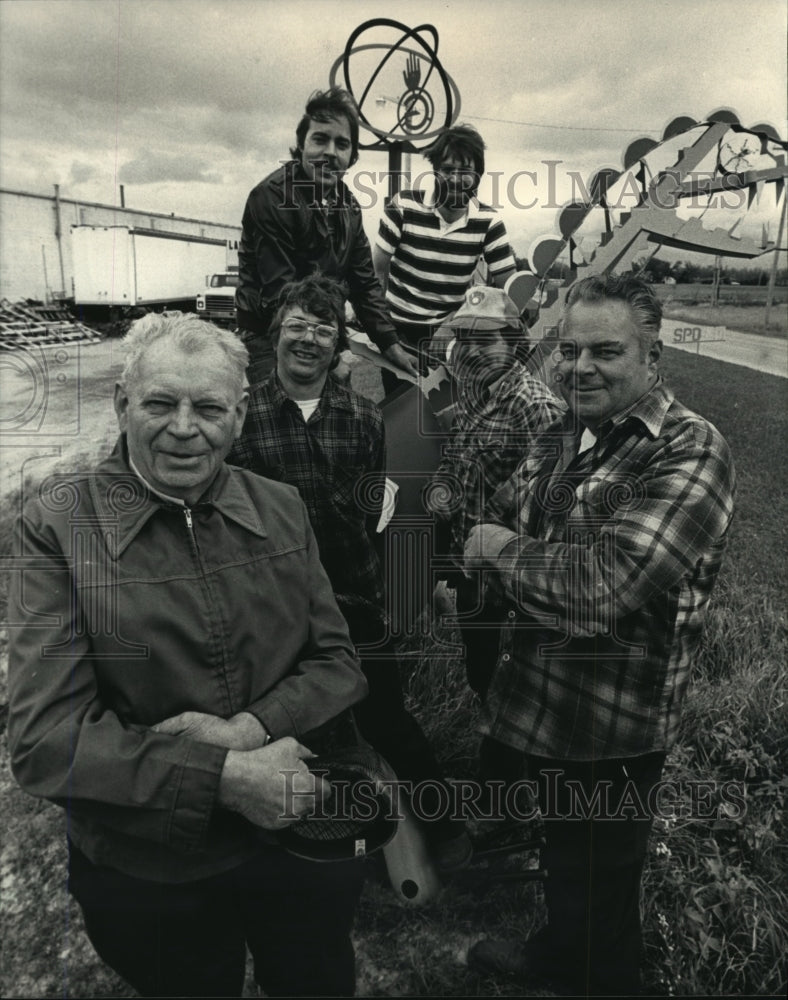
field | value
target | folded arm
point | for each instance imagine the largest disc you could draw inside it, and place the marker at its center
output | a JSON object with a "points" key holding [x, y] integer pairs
{"points": [[677, 514], [70, 745]]}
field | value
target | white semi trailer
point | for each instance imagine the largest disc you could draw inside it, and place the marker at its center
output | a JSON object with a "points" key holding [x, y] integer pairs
{"points": [[121, 266]]}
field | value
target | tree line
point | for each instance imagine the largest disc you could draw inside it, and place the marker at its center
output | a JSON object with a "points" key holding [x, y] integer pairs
{"points": [[682, 272]]}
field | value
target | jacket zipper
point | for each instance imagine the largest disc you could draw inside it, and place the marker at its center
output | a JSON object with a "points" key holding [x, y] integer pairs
{"points": [[190, 527]]}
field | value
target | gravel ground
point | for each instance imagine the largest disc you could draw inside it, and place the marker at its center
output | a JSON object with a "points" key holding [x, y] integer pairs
{"points": [[56, 408]]}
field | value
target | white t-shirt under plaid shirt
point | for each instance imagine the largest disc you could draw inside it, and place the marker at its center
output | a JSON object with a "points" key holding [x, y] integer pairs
{"points": [[433, 260]]}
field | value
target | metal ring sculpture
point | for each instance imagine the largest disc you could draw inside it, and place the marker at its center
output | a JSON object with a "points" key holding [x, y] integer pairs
{"points": [[416, 106]]}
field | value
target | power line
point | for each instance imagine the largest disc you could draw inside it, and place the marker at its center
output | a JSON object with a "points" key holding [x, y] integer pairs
{"points": [[563, 128]]}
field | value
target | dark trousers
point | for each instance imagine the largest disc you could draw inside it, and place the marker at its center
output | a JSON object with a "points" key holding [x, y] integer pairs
{"points": [[592, 941], [415, 335], [480, 631], [257, 340], [190, 939], [385, 723]]}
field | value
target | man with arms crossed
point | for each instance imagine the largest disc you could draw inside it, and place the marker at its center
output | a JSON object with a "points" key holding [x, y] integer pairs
{"points": [[175, 640], [607, 543], [302, 218]]}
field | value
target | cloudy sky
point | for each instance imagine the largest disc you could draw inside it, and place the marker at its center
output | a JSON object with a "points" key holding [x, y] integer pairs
{"points": [[188, 103]]}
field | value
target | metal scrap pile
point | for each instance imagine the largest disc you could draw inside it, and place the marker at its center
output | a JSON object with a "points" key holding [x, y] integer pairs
{"points": [[27, 322]]}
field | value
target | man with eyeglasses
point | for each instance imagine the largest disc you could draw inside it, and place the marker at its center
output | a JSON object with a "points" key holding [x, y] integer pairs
{"points": [[303, 219], [428, 248], [305, 429]]}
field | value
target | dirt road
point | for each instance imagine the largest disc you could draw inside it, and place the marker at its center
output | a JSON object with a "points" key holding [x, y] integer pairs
{"points": [[763, 354]]}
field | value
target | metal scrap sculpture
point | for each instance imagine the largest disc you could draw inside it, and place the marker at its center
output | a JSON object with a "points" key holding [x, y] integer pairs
{"points": [[654, 221], [416, 107]]}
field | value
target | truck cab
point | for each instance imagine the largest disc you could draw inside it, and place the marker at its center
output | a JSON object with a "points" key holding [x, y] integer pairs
{"points": [[217, 301]]}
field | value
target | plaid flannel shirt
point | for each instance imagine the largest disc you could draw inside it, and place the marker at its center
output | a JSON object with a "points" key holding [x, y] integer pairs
{"points": [[489, 437], [336, 460], [612, 560]]}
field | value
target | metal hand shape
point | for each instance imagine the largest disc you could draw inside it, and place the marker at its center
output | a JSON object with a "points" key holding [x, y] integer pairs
{"points": [[412, 72]]}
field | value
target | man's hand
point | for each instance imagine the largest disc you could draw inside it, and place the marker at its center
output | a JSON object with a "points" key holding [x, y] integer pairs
{"points": [[484, 544], [242, 732], [398, 356], [272, 787], [441, 340], [341, 370], [443, 603]]}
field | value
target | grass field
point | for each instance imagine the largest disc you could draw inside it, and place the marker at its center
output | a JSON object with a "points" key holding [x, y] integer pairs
{"points": [[715, 893], [735, 295], [740, 307]]}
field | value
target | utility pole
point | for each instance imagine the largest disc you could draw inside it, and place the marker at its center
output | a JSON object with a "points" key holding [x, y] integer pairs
{"points": [[59, 238], [715, 287], [773, 275]]}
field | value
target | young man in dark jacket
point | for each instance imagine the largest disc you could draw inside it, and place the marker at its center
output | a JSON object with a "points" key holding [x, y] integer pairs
{"points": [[302, 218]]}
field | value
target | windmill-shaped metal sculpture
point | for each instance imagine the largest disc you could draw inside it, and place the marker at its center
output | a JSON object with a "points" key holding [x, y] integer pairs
{"points": [[654, 222]]}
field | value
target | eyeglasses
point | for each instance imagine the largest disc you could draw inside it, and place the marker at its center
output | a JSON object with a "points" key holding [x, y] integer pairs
{"points": [[297, 329]]}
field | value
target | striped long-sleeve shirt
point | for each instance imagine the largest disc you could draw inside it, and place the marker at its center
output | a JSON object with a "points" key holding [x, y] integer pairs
{"points": [[613, 556], [432, 261]]}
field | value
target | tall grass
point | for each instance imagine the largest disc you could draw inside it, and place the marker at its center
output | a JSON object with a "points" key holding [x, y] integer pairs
{"points": [[715, 891]]}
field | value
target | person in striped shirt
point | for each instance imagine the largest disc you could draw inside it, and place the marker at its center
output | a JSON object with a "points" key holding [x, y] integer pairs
{"points": [[428, 247]]}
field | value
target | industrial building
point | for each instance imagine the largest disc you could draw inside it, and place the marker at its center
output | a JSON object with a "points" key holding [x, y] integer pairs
{"points": [[35, 239]]}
